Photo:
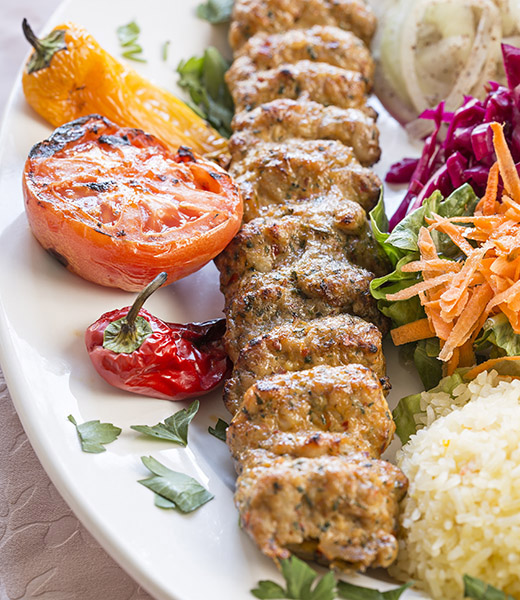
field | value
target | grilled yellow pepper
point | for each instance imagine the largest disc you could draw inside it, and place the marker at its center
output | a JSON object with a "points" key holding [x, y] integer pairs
{"points": [[69, 75]]}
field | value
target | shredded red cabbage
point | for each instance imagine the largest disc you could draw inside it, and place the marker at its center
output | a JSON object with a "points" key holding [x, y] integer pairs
{"points": [[464, 153]]}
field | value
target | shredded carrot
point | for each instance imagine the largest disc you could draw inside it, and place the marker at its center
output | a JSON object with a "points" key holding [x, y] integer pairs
{"points": [[435, 264], [422, 286], [459, 295], [467, 321], [455, 232], [412, 332], [505, 365], [487, 205], [505, 162], [466, 354]]}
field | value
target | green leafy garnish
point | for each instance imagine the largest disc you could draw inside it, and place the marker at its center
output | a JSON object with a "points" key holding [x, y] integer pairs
{"points": [[165, 48], [356, 592], [128, 35], [93, 435], [174, 429], [299, 579], [186, 493], [203, 78], [215, 11], [478, 590], [303, 583], [219, 431]]}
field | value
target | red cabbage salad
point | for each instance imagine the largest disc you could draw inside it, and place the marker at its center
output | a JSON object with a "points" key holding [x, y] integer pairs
{"points": [[460, 149]]}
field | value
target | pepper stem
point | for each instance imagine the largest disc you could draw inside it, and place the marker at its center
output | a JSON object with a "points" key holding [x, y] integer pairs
{"points": [[142, 298], [44, 48], [128, 333], [30, 36]]}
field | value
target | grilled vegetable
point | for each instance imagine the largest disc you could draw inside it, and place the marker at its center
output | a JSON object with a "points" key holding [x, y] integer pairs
{"points": [[69, 75], [117, 207], [135, 351]]}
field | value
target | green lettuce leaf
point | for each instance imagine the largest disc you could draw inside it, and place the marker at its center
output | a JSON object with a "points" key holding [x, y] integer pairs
{"points": [[498, 338], [379, 224], [461, 202], [410, 406], [426, 362], [478, 590]]}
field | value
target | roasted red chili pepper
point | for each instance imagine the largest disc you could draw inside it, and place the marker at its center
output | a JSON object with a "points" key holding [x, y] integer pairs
{"points": [[135, 351]]}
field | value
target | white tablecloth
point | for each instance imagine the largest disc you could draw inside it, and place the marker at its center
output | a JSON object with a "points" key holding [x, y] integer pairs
{"points": [[45, 553]]}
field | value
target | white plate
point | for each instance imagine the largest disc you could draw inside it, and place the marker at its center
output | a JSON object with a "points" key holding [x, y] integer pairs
{"points": [[44, 311]]}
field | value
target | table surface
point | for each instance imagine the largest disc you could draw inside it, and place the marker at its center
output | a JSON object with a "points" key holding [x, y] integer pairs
{"points": [[45, 552]]}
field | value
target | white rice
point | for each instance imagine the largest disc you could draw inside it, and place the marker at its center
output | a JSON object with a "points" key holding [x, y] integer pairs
{"points": [[462, 511]]}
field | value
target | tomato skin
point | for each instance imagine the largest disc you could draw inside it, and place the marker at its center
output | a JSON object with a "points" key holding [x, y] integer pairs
{"points": [[176, 361], [117, 207]]}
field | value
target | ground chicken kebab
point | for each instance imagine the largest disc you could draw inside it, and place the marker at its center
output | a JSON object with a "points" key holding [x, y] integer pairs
{"points": [[310, 418]]}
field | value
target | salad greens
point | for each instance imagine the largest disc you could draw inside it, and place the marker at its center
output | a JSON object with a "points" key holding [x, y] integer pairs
{"points": [[93, 435], [203, 78], [409, 406], [128, 35], [215, 11], [175, 490], [175, 428], [400, 247], [478, 590]]}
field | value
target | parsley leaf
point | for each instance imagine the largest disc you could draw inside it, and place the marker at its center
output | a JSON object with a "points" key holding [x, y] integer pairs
{"points": [[478, 590], [299, 578], [128, 35], [203, 78], [219, 431], [93, 435], [215, 11], [182, 490], [356, 592], [174, 429]]}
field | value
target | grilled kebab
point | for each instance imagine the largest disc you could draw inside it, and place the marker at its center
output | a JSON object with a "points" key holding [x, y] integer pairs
{"points": [[307, 392]]}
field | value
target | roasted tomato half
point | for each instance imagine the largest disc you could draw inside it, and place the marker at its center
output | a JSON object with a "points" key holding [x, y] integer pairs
{"points": [[115, 206]]}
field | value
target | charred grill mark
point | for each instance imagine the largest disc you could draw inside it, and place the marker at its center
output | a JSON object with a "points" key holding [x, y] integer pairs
{"points": [[114, 140], [185, 154], [101, 186]]}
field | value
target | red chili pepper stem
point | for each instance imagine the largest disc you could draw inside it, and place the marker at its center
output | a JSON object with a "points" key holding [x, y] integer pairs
{"points": [[141, 299], [125, 335]]}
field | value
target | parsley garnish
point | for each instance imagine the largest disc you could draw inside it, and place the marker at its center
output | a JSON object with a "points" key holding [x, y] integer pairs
{"points": [[219, 431], [93, 435], [300, 579], [182, 491], [203, 78], [215, 11], [174, 429], [128, 35], [356, 592]]}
